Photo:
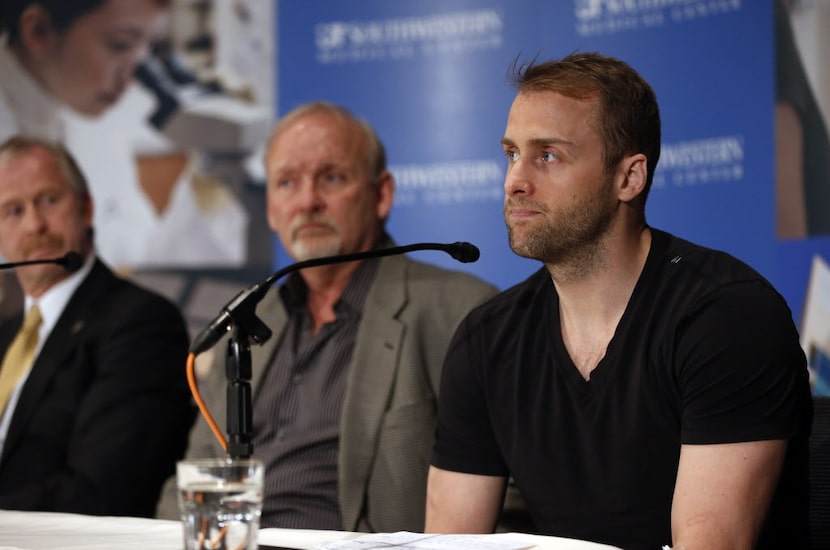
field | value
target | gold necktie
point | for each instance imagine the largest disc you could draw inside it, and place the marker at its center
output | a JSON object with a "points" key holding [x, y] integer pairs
{"points": [[19, 356]]}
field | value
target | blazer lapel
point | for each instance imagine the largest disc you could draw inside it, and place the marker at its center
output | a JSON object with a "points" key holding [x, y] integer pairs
{"points": [[58, 345], [271, 312], [375, 358]]}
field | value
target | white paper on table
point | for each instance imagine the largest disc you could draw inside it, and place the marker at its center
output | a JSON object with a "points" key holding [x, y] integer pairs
{"points": [[421, 541]]}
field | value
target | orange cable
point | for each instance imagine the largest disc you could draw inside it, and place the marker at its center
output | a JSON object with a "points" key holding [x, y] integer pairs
{"points": [[194, 389]]}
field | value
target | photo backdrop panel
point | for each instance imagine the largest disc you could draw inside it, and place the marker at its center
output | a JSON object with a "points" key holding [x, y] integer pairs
{"points": [[432, 77]]}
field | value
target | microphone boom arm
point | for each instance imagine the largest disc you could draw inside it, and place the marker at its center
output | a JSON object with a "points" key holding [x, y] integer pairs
{"points": [[241, 310], [72, 261]]}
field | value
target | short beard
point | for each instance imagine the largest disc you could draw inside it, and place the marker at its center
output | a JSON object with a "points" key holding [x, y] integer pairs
{"points": [[573, 238], [313, 247], [303, 250]]}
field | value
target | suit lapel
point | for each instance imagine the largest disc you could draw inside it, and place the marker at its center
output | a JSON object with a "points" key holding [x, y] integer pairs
{"points": [[59, 344], [9, 330], [271, 312], [375, 358]]}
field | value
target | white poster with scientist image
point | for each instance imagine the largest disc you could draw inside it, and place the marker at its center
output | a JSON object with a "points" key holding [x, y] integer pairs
{"points": [[165, 136]]}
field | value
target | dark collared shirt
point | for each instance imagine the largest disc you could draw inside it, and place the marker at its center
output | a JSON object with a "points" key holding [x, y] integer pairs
{"points": [[296, 416]]}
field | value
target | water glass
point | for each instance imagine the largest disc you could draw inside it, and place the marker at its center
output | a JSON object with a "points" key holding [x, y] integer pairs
{"points": [[220, 501]]}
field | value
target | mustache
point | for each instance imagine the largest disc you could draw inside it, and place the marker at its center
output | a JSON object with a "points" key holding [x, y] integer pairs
{"points": [[49, 240], [316, 219], [524, 203]]}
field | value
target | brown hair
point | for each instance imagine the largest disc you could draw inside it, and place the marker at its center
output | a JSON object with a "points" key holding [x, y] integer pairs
{"points": [[628, 120], [17, 146]]}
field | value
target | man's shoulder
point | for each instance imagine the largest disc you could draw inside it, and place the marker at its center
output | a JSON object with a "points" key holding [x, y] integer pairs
{"points": [[690, 276], [437, 276], [689, 259], [118, 288], [427, 290]]}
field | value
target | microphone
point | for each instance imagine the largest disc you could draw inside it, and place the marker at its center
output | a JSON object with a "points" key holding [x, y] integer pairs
{"points": [[71, 261], [240, 311], [463, 252]]}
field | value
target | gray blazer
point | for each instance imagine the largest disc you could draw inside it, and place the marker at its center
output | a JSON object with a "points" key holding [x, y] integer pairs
{"points": [[389, 409]]}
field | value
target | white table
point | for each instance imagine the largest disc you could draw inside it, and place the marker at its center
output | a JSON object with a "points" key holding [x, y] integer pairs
{"points": [[52, 531]]}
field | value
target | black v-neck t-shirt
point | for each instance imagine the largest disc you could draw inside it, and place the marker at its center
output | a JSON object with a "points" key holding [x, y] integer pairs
{"points": [[706, 352]]}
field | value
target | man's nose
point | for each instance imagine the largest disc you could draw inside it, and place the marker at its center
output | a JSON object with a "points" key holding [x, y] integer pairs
{"points": [[517, 179], [309, 196], [33, 219]]}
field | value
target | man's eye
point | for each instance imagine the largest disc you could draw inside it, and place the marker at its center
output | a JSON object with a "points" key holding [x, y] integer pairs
{"points": [[49, 199], [547, 156], [10, 212], [120, 45], [512, 156], [332, 179], [284, 184]]}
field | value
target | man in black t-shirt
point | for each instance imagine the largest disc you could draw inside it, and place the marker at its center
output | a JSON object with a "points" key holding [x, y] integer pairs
{"points": [[641, 390]]}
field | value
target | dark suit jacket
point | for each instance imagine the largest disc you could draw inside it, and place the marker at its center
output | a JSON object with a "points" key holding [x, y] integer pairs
{"points": [[389, 409], [106, 409]]}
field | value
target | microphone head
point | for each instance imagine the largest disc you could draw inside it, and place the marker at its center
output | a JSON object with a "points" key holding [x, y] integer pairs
{"points": [[464, 252], [71, 261]]}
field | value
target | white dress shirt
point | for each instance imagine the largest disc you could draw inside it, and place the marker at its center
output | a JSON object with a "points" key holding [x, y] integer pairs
{"points": [[51, 304]]}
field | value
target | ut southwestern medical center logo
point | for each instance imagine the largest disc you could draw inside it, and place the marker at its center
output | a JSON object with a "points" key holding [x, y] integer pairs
{"points": [[601, 17], [469, 181], [405, 37], [706, 161]]}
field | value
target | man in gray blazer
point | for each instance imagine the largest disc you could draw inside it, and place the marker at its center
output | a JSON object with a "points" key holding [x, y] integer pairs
{"points": [[345, 391]]}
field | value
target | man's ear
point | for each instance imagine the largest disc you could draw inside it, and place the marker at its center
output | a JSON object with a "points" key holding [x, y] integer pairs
{"points": [[87, 209], [632, 177], [36, 31], [386, 194]]}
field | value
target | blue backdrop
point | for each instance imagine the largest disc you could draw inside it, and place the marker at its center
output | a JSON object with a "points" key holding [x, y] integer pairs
{"points": [[431, 75]]}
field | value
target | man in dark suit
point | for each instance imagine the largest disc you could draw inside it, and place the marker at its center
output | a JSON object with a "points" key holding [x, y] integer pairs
{"points": [[94, 419]]}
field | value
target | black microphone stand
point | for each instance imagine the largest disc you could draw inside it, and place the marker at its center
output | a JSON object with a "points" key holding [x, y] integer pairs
{"points": [[239, 408], [246, 328], [239, 317]]}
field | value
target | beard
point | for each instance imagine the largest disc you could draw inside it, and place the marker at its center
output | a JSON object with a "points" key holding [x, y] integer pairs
{"points": [[572, 235], [312, 246]]}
